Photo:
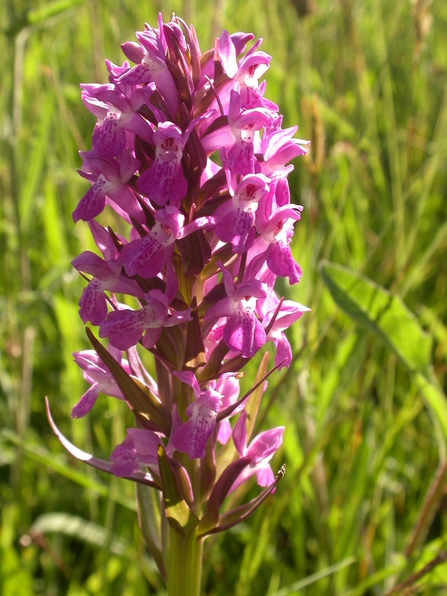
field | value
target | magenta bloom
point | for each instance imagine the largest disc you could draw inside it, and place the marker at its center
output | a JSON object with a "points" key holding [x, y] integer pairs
{"points": [[148, 256], [243, 331], [235, 219], [118, 117], [192, 436], [125, 328], [99, 377], [164, 181], [110, 183], [189, 207], [260, 451], [138, 449], [244, 123]]}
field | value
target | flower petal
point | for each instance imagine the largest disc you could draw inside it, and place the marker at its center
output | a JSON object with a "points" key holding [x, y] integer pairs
{"points": [[124, 328], [244, 333]]}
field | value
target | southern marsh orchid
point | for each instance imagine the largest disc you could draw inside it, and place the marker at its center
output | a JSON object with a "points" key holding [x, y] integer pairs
{"points": [[190, 161]]}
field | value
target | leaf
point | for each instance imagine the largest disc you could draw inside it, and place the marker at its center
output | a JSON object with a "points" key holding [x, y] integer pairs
{"points": [[36, 155], [381, 312], [387, 317]]}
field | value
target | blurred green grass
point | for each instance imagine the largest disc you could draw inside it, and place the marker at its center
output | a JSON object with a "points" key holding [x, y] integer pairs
{"points": [[362, 505]]}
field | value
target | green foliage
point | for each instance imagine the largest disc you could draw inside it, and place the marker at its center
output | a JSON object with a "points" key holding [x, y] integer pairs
{"points": [[360, 507]]}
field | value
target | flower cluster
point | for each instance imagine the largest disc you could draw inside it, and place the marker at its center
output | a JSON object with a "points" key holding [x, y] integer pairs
{"points": [[192, 161]]}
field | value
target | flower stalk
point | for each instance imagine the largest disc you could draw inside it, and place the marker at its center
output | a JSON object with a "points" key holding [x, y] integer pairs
{"points": [[190, 158], [184, 563]]}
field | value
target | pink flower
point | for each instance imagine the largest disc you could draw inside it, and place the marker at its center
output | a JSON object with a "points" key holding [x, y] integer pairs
{"points": [[99, 377], [260, 451], [243, 332], [109, 181], [192, 436], [148, 256], [244, 123], [125, 328], [192, 158], [138, 448], [164, 181], [235, 219]]}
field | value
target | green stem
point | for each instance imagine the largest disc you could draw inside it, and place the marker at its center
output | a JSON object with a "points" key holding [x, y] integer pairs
{"points": [[184, 563]]}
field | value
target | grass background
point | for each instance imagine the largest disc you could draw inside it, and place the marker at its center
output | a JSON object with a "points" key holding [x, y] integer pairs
{"points": [[362, 507]]}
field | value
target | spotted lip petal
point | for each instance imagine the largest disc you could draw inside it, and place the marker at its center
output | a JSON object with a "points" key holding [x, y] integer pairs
{"points": [[92, 203], [91, 460], [244, 333]]}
